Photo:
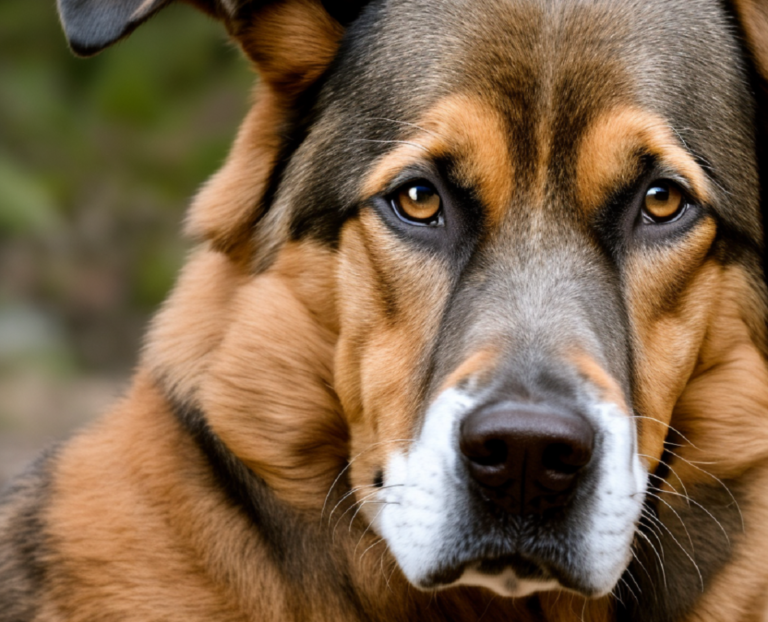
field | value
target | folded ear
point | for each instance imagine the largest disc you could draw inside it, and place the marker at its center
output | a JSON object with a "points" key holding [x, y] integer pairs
{"points": [[291, 42], [753, 16], [92, 25]]}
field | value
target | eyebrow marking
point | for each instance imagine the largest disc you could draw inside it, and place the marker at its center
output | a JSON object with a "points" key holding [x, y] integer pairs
{"points": [[468, 130], [608, 155]]}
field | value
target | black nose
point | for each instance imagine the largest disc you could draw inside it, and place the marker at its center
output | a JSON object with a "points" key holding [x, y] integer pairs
{"points": [[526, 457]]}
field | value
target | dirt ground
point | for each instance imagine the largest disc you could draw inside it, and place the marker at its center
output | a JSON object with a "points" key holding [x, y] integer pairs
{"points": [[37, 411]]}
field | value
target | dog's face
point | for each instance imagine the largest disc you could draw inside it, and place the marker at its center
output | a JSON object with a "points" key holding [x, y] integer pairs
{"points": [[546, 236], [542, 198]]}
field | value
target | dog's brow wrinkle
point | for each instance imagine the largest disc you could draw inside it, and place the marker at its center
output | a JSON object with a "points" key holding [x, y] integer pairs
{"points": [[408, 124], [395, 142], [703, 162]]}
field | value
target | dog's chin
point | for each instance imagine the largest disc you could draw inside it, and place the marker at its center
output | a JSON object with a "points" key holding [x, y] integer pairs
{"points": [[511, 576]]}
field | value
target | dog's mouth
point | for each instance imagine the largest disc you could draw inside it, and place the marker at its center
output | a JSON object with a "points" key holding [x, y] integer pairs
{"points": [[522, 567], [512, 575]]}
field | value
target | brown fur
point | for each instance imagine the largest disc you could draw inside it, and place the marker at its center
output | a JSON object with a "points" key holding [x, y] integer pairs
{"points": [[608, 154], [469, 129], [308, 359]]}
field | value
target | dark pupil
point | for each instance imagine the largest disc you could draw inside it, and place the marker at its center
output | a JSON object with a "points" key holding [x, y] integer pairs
{"points": [[660, 194], [419, 194]]}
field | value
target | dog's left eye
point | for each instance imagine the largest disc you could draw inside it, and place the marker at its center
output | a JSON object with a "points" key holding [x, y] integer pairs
{"points": [[664, 202], [418, 203]]}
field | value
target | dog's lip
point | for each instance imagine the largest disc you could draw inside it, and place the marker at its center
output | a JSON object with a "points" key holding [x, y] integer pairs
{"points": [[524, 568]]}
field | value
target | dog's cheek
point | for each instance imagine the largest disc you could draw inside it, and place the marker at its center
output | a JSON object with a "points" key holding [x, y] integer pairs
{"points": [[721, 411], [292, 435], [669, 294], [390, 303]]}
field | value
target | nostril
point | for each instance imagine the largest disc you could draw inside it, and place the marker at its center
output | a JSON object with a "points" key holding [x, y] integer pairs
{"points": [[494, 453], [565, 458], [526, 458]]}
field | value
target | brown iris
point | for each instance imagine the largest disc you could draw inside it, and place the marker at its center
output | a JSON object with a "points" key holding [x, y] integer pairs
{"points": [[664, 201], [418, 203]]}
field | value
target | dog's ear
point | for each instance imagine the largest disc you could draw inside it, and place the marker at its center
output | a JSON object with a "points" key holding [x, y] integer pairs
{"points": [[92, 25], [291, 42], [753, 17]]}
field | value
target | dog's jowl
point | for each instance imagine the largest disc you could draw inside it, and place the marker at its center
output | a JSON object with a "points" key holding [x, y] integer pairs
{"points": [[475, 329]]}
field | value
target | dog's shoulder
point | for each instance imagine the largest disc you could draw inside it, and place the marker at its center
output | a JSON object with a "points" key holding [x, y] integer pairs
{"points": [[23, 541]]}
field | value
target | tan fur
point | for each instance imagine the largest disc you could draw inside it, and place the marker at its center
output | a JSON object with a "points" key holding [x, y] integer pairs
{"points": [[740, 593], [608, 155], [737, 438], [670, 301], [138, 532], [185, 334], [292, 435], [754, 20], [594, 373], [229, 204], [477, 367], [291, 42], [470, 130], [380, 350], [227, 341], [322, 358]]}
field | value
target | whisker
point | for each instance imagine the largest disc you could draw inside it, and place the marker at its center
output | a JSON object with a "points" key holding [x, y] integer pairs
{"points": [[686, 553], [359, 504], [381, 565], [676, 431], [487, 607], [682, 522], [703, 509], [393, 571], [358, 489], [346, 495], [367, 529], [625, 583], [377, 542], [654, 530], [672, 470], [645, 570], [349, 464], [658, 557], [719, 481]]}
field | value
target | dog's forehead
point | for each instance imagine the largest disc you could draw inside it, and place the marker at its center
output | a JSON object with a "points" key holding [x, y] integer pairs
{"points": [[546, 70], [550, 61], [421, 47]]}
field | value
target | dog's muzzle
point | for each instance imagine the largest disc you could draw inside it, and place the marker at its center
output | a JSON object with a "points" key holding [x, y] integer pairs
{"points": [[515, 497]]}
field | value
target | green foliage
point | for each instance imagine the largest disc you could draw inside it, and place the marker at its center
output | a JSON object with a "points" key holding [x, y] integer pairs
{"points": [[98, 159]]}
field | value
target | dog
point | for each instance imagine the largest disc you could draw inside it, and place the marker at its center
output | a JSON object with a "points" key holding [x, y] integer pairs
{"points": [[475, 330]]}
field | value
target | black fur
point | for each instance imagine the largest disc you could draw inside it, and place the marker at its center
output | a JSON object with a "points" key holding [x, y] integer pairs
{"points": [[713, 520], [289, 537], [24, 549]]}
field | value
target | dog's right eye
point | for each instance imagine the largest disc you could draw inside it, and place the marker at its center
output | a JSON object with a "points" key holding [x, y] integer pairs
{"points": [[664, 202], [418, 203]]}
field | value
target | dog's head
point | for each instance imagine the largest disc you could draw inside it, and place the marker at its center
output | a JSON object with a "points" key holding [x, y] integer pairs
{"points": [[540, 232]]}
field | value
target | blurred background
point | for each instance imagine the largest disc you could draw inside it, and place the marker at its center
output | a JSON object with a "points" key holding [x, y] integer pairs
{"points": [[98, 160]]}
